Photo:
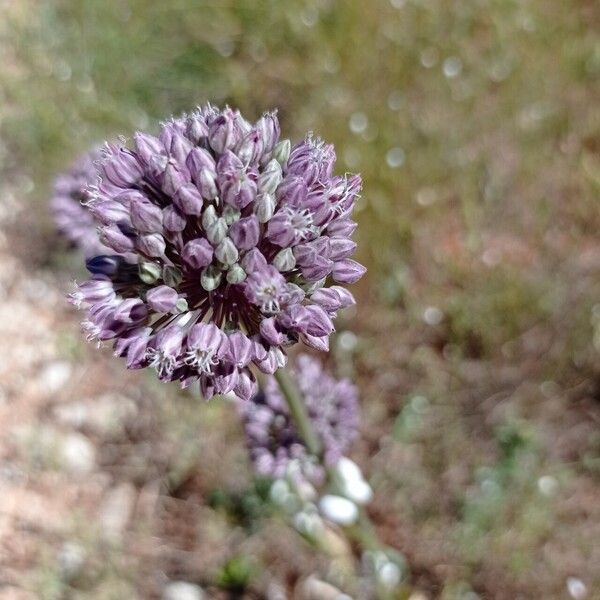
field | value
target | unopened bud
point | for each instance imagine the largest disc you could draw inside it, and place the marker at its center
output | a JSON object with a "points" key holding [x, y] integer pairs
{"points": [[264, 207], [211, 278], [270, 178], [149, 272], [209, 216], [171, 276], [231, 214], [281, 152], [216, 232], [236, 274], [226, 252], [284, 260], [181, 305]]}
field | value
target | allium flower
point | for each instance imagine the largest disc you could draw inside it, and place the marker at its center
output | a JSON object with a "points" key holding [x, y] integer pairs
{"points": [[234, 235], [73, 220], [272, 438]]}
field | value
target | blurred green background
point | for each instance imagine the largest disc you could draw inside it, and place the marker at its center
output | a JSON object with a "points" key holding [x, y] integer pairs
{"points": [[476, 127]]}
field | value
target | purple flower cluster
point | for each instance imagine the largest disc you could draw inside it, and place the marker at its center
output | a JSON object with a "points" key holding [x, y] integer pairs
{"points": [[272, 438], [73, 220], [225, 238]]}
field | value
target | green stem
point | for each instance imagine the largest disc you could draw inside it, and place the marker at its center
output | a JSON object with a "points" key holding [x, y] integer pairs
{"points": [[298, 411]]}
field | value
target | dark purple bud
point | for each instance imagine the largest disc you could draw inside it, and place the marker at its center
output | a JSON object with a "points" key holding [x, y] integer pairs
{"points": [[197, 253], [188, 200], [104, 265], [162, 298], [348, 271], [146, 217], [152, 244], [173, 219], [245, 233]]}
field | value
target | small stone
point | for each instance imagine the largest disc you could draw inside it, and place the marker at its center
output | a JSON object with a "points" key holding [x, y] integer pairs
{"points": [[577, 589], [71, 559], [315, 589], [78, 454], [116, 510], [55, 375], [182, 590]]}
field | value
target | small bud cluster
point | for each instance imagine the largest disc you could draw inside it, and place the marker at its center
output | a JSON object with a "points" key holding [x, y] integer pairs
{"points": [[222, 239], [272, 438], [73, 220]]}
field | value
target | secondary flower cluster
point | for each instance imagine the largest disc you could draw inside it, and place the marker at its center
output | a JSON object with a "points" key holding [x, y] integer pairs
{"points": [[272, 438], [73, 220], [223, 238]]}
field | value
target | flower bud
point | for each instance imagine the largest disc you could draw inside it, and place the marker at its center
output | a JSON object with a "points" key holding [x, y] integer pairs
{"points": [[152, 244], [209, 216], [281, 151], [221, 133], [207, 184], [146, 217], [162, 298], [181, 305], [149, 272], [211, 278], [197, 253], [173, 220], [171, 276], [347, 271], [284, 260], [114, 238], [270, 178], [236, 274], [120, 166], [216, 232], [245, 233], [264, 207], [188, 200], [226, 252], [231, 215]]}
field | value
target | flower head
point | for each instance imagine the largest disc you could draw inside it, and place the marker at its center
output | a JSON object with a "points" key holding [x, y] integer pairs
{"points": [[73, 220], [272, 438], [224, 239]]}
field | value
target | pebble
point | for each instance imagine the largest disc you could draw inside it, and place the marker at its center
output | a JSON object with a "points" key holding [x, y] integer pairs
{"points": [[55, 375], [77, 453], [182, 590], [116, 510]]}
